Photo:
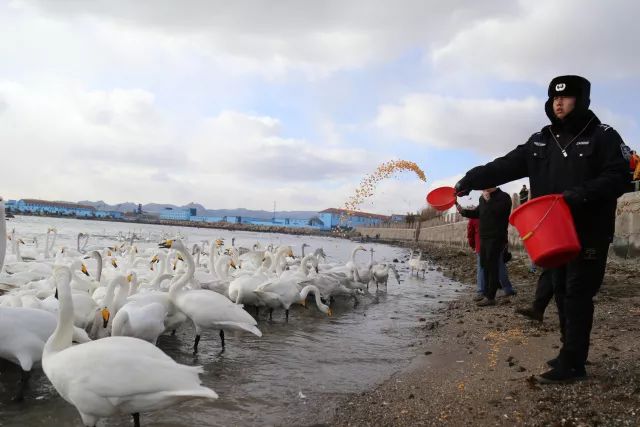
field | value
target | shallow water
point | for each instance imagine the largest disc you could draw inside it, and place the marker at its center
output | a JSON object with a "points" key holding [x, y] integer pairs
{"points": [[294, 375]]}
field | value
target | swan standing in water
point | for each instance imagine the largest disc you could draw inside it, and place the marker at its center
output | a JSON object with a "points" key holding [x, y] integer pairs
{"points": [[114, 375], [380, 274], [206, 309]]}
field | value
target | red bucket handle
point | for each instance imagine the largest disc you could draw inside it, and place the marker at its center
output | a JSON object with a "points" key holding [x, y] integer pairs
{"points": [[530, 234]]}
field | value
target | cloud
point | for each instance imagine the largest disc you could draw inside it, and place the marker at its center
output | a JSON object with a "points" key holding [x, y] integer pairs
{"points": [[488, 126], [270, 38], [253, 146], [546, 38], [69, 142]]}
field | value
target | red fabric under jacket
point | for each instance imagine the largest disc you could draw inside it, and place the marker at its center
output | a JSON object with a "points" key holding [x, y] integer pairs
{"points": [[473, 234]]}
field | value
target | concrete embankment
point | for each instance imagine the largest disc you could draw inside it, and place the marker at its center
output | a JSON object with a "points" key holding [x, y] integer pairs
{"points": [[451, 230]]}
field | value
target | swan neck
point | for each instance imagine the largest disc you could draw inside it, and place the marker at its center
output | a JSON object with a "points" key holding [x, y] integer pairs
{"points": [[135, 285], [162, 264], [63, 334], [277, 265], [353, 255], [111, 290], [53, 241], [123, 293], [356, 273], [186, 277], [212, 260], [98, 256], [16, 244], [316, 293], [304, 264], [46, 245]]}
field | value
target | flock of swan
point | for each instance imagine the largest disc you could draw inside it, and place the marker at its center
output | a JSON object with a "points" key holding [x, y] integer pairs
{"points": [[67, 308]]}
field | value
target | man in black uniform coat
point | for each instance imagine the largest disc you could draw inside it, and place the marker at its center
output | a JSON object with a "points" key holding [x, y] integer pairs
{"points": [[584, 160], [493, 212]]}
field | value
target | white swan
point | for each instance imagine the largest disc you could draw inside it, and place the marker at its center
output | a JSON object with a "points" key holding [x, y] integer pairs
{"points": [[364, 276], [316, 292], [115, 374], [107, 309], [380, 274], [144, 321], [205, 308], [413, 262], [280, 293], [23, 334]]}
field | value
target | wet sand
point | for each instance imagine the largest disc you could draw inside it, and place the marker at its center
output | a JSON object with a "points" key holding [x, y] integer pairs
{"points": [[477, 366]]}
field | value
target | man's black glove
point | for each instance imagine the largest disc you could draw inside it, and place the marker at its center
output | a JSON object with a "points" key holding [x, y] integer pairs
{"points": [[574, 198], [462, 188]]}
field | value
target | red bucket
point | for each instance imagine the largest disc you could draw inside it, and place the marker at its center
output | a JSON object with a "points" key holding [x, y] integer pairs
{"points": [[442, 198], [546, 228]]}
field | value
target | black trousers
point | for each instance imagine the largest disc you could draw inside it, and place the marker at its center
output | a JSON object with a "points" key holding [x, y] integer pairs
{"points": [[544, 292], [574, 286], [490, 254]]}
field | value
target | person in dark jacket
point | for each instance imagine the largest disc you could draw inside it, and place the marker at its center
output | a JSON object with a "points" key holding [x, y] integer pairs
{"points": [[587, 162], [524, 194], [473, 238], [493, 211]]}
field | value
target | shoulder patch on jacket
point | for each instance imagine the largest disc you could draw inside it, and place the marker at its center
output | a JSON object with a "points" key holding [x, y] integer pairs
{"points": [[626, 151], [604, 127]]}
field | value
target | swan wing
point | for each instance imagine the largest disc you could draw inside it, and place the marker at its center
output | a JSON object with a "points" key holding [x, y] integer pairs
{"points": [[208, 309]]}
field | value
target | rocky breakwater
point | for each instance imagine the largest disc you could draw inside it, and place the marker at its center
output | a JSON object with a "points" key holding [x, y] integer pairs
{"points": [[626, 243]]}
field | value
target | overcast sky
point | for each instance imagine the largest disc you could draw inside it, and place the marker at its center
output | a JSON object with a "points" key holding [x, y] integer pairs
{"points": [[237, 104]]}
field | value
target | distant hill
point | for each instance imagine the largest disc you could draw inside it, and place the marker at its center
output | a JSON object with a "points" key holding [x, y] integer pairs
{"points": [[200, 210]]}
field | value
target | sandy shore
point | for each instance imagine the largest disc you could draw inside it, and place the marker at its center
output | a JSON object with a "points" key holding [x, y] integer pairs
{"points": [[477, 366]]}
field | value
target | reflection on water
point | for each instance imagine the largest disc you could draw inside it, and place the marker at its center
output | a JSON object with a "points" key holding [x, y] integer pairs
{"points": [[295, 374]]}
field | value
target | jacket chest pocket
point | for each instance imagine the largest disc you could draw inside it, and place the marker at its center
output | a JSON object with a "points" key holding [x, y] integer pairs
{"points": [[538, 150], [583, 149]]}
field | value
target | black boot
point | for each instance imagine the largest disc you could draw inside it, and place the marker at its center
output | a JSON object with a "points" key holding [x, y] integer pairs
{"points": [[559, 375], [530, 313]]}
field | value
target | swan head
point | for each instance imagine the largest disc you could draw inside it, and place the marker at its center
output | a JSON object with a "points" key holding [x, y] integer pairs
{"points": [[106, 314], [173, 244], [83, 268], [167, 244]]}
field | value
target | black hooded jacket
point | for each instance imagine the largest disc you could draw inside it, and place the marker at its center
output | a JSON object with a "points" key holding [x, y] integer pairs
{"points": [[588, 158], [493, 215]]}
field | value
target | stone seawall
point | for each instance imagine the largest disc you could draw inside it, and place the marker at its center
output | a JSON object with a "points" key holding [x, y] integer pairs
{"points": [[626, 242]]}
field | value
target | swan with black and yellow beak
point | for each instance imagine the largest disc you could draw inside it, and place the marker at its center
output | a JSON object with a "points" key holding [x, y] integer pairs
{"points": [[206, 309]]}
